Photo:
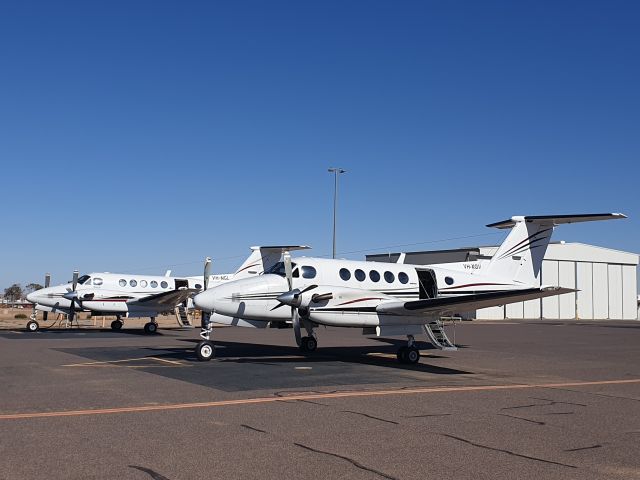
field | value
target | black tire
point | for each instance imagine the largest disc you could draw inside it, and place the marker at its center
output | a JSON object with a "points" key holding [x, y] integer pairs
{"points": [[308, 344], [33, 326], [205, 351], [412, 355], [402, 354], [150, 328], [116, 325]]}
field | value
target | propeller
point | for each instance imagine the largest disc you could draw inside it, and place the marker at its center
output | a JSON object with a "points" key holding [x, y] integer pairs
{"points": [[72, 295], [204, 321], [207, 272], [47, 282], [295, 317]]}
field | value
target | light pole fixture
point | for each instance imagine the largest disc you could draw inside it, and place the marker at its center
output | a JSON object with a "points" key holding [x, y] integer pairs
{"points": [[336, 171]]}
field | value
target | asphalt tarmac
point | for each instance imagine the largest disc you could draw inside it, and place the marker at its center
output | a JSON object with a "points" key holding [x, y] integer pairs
{"points": [[558, 400]]}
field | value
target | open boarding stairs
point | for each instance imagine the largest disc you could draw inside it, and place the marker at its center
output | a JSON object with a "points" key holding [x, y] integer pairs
{"points": [[437, 336]]}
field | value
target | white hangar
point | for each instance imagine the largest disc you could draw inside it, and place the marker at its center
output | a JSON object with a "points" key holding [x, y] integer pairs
{"points": [[605, 279]]}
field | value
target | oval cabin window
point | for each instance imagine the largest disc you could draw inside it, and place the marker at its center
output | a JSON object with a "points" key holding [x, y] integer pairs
{"points": [[345, 274]]}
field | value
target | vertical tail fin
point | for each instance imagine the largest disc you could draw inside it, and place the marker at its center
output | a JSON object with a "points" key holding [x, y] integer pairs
{"points": [[520, 256]]}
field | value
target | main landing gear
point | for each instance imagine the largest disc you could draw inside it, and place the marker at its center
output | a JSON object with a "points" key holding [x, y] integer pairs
{"points": [[409, 354], [205, 350], [117, 323], [308, 344], [151, 327]]}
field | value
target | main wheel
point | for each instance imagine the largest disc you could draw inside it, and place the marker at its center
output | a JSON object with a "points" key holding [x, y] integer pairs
{"points": [[205, 351], [308, 344], [402, 354], [116, 325], [412, 355], [32, 326], [150, 328]]}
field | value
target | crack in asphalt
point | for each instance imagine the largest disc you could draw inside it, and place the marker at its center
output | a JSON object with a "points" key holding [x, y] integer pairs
{"points": [[554, 402], [153, 474], [583, 448], [370, 416], [509, 452], [550, 402], [428, 415], [249, 427], [597, 394], [524, 419], [314, 403], [350, 460]]}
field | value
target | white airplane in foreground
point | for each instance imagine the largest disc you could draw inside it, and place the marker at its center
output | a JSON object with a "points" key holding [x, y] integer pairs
{"points": [[130, 295], [387, 299]]}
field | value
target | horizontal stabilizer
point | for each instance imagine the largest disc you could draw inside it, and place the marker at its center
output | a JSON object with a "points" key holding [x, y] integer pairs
{"points": [[439, 306], [282, 248], [557, 219]]}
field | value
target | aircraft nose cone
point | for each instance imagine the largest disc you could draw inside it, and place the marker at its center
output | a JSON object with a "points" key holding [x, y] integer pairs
{"points": [[32, 297], [205, 301]]}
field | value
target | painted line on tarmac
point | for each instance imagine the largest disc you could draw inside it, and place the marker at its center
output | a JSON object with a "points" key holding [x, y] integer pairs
{"points": [[116, 363], [310, 396]]}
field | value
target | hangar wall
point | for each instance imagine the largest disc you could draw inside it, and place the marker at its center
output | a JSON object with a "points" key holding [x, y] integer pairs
{"points": [[605, 279]]}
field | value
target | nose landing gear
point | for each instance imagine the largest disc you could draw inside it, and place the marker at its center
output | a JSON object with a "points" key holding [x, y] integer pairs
{"points": [[205, 350]]}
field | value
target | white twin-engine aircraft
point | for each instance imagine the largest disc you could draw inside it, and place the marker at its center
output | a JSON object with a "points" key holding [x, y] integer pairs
{"points": [[130, 295], [386, 299]]}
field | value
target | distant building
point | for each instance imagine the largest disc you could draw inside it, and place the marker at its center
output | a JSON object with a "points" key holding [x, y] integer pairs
{"points": [[606, 281]]}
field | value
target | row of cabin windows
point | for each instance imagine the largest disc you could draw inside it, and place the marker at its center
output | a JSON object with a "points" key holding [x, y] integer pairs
{"points": [[374, 276], [309, 272], [143, 283]]}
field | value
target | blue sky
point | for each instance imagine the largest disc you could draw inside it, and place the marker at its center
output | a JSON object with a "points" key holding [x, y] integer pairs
{"points": [[142, 134]]}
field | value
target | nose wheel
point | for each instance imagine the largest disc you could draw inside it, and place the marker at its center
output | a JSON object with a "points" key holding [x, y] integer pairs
{"points": [[117, 324], [33, 326], [205, 351]]}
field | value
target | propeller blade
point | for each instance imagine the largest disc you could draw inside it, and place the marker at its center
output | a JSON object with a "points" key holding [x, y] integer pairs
{"points": [[295, 319], [207, 272], [288, 270], [47, 283], [75, 280]]}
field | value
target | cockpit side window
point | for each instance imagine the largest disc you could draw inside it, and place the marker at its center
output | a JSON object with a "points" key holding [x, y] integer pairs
{"points": [[278, 269], [83, 279]]}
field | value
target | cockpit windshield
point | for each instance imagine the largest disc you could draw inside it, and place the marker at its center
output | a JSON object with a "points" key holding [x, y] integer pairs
{"points": [[82, 279], [278, 269]]}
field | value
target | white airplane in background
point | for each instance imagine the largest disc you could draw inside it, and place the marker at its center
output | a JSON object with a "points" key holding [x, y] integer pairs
{"points": [[387, 299], [130, 295]]}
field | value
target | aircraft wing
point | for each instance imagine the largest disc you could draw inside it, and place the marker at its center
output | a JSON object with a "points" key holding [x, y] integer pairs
{"points": [[164, 299], [440, 306]]}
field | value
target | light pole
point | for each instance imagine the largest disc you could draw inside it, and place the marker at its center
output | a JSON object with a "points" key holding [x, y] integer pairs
{"points": [[336, 172]]}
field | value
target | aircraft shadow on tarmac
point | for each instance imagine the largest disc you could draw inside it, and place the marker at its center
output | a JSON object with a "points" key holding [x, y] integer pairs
{"points": [[373, 355], [243, 366]]}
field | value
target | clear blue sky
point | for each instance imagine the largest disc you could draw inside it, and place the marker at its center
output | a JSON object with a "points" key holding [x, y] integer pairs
{"points": [[140, 134]]}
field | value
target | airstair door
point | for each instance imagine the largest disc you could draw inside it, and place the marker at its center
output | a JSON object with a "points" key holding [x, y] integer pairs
{"points": [[427, 284]]}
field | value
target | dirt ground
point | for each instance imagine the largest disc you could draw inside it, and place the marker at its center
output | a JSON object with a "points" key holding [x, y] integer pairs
{"points": [[8, 319]]}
